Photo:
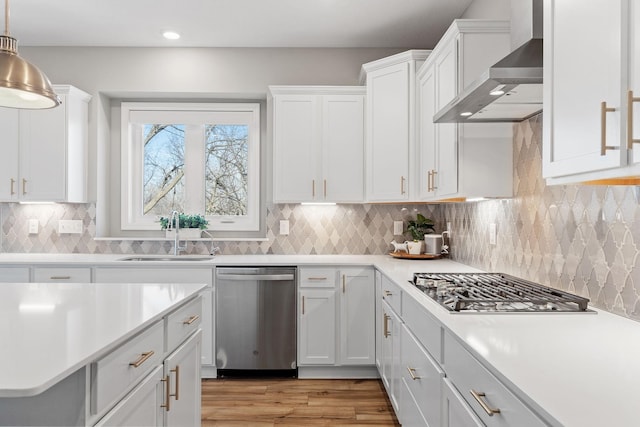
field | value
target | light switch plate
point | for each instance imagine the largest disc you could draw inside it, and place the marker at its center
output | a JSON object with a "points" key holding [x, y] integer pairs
{"points": [[34, 226], [397, 228], [284, 227], [70, 226]]}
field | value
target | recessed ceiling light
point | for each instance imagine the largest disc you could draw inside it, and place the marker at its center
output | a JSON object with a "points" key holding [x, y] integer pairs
{"points": [[170, 35], [466, 114]]}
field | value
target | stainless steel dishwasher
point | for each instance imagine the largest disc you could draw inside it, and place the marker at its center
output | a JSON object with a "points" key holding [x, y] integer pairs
{"points": [[256, 321]]}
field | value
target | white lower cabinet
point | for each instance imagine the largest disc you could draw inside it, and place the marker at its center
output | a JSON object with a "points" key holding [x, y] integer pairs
{"points": [[14, 274], [182, 382], [317, 327], [390, 358], [422, 379], [141, 407], [456, 412], [335, 311]]}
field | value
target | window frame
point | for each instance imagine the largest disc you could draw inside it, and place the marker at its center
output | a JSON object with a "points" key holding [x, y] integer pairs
{"points": [[133, 114]]}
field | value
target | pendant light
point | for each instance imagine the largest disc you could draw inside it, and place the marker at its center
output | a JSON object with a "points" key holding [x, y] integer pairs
{"points": [[22, 85]]}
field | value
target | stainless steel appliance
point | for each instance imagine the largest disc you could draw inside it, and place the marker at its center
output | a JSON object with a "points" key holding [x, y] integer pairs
{"points": [[495, 293], [256, 321]]}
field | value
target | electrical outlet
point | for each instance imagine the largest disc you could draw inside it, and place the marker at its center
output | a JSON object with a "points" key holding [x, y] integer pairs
{"points": [[34, 226], [284, 227], [398, 228], [492, 233], [70, 226]]}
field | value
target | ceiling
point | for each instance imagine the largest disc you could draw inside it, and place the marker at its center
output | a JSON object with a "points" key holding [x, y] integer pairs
{"points": [[234, 23]]}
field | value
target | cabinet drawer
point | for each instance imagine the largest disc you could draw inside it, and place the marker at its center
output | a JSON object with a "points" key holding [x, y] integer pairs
{"points": [[318, 277], [14, 274], [423, 377], [62, 275], [392, 294], [468, 375], [113, 375], [423, 326], [182, 323]]}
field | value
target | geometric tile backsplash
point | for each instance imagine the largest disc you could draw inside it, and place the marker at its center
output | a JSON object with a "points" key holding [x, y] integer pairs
{"points": [[582, 239]]}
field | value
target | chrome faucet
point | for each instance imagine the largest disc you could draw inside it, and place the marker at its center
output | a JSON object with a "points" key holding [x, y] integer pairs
{"points": [[175, 216]]}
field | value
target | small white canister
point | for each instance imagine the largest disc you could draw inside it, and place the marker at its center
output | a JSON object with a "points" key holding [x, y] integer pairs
{"points": [[433, 243]]}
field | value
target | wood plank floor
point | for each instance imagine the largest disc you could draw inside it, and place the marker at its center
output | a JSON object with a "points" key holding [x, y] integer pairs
{"points": [[295, 402]]}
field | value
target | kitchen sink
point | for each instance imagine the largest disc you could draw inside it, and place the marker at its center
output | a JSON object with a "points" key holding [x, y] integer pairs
{"points": [[168, 258]]}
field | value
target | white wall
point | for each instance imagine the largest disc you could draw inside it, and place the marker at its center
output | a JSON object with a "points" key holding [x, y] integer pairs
{"points": [[488, 9]]}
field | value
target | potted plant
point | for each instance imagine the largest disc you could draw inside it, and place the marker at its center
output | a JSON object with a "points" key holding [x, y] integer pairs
{"points": [[418, 228], [190, 226]]}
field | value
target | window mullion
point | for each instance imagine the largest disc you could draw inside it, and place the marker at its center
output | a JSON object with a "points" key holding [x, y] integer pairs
{"points": [[194, 169]]}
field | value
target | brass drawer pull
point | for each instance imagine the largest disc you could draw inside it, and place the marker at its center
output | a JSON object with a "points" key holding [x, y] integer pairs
{"points": [[143, 358], [176, 370], [412, 373], [60, 277], [387, 293], [386, 332], [167, 393], [302, 304], [478, 395], [13, 181], [343, 283], [603, 128], [402, 179], [317, 278], [191, 319], [24, 186], [630, 101], [313, 188], [325, 188]]}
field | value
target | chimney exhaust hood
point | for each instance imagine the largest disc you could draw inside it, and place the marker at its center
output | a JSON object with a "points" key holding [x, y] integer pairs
{"points": [[510, 90]]}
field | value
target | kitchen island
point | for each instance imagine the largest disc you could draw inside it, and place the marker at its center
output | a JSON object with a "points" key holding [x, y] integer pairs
{"points": [[65, 345]]}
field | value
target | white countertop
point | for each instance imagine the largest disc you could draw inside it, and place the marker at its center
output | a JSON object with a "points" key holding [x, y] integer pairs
{"points": [[50, 330], [582, 369]]}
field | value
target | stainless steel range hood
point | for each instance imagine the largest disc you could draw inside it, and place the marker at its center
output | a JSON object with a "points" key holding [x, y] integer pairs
{"points": [[510, 90]]}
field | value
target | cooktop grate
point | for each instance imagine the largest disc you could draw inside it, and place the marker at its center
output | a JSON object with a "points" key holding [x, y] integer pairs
{"points": [[495, 292]]}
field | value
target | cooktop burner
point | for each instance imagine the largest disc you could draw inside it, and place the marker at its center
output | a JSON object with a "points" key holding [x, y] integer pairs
{"points": [[495, 292]]}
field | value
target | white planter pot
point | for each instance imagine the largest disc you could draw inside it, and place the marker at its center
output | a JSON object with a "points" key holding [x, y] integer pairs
{"points": [[415, 248], [185, 233]]}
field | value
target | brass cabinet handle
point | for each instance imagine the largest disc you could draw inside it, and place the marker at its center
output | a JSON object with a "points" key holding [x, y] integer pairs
{"points": [[143, 358], [324, 186], [630, 100], [603, 128], [313, 188], [429, 175], [385, 329], [387, 293], [13, 181], [167, 393], [402, 185], [412, 373], [302, 304], [60, 277], [478, 395], [343, 283], [316, 278], [24, 186], [191, 319], [176, 370], [433, 180]]}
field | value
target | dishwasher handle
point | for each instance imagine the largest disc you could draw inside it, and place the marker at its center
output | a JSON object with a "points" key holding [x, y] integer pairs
{"points": [[265, 277]]}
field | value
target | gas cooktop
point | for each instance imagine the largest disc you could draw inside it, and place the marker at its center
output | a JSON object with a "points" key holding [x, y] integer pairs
{"points": [[495, 293]]}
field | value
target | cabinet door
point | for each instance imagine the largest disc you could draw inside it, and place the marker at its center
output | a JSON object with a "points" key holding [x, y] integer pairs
{"points": [[379, 321], [343, 148], [9, 123], [357, 332], [391, 355], [182, 376], [446, 174], [427, 131], [574, 117], [456, 412], [317, 327], [43, 151], [141, 407], [388, 133], [446, 68], [296, 155]]}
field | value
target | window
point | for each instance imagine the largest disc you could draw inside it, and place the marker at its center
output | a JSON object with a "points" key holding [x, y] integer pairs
{"points": [[193, 158]]}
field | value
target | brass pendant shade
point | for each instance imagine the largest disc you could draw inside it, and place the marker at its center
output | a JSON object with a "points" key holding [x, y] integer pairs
{"points": [[22, 85]]}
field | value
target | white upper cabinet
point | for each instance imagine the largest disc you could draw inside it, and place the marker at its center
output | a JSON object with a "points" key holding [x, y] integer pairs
{"points": [[390, 124], [318, 144], [45, 151], [590, 65], [461, 161]]}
